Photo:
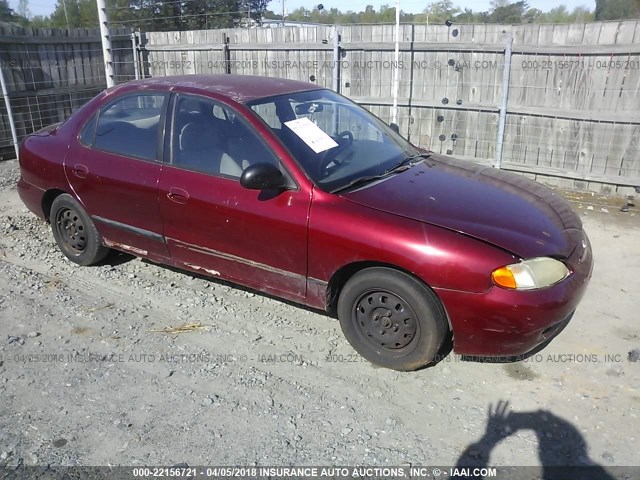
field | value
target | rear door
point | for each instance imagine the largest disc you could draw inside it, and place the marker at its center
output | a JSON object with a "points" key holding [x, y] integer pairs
{"points": [[114, 170], [214, 225]]}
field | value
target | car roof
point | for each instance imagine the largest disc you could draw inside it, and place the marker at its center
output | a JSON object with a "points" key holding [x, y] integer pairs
{"points": [[240, 88]]}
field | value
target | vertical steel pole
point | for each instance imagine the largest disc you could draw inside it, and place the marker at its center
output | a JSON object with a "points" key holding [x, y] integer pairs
{"points": [[335, 80], [226, 53], [396, 73], [506, 72], [283, 11], [105, 36], [140, 56], [7, 103], [410, 110], [134, 45]]}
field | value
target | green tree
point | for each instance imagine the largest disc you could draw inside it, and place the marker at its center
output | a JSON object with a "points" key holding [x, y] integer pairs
{"points": [[40, 21], [582, 15], [67, 15], [617, 9], [498, 4], [562, 15], [256, 7], [509, 12], [23, 9], [320, 16], [467, 16], [205, 14], [559, 14], [369, 15], [6, 12], [533, 15], [163, 15], [438, 12], [271, 15], [300, 14], [387, 14]]}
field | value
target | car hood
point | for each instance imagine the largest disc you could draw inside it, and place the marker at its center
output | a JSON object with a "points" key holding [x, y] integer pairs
{"points": [[504, 209]]}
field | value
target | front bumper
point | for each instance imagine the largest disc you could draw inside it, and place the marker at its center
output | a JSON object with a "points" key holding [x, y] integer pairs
{"points": [[506, 323]]}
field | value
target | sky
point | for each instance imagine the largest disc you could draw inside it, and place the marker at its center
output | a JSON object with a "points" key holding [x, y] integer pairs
{"points": [[45, 7]]}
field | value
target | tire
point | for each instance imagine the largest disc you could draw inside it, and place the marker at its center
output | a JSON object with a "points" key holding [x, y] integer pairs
{"points": [[392, 319], [76, 235]]}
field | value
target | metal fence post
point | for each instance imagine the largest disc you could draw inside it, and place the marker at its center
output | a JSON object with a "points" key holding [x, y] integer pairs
{"points": [[134, 45], [410, 110], [7, 103], [335, 81], [396, 72], [141, 54], [226, 53], [506, 72], [105, 36]]}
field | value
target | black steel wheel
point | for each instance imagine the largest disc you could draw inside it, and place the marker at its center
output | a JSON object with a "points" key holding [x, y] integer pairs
{"points": [[386, 319], [75, 233], [392, 319], [71, 230]]}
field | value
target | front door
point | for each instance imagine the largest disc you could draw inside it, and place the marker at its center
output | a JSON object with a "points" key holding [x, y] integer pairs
{"points": [[214, 225]]}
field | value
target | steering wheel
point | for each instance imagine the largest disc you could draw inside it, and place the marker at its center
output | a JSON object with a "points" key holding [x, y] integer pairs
{"points": [[344, 139], [348, 134]]}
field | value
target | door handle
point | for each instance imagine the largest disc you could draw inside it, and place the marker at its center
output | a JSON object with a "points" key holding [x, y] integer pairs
{"points": [[80, 170], [178, 195]]}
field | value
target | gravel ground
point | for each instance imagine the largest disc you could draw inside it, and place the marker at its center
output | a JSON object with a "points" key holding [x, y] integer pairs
{"points": [[85, 379]]}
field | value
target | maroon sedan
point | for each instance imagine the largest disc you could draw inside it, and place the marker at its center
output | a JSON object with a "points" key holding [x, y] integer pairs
{"points": [[296, 191]]}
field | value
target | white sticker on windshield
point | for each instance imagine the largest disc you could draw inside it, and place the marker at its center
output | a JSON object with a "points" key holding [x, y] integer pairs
{"points": [[311, 134]]}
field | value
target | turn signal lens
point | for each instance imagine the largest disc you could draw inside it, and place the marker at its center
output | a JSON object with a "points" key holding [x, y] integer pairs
{"points": [[530, 274], [503, 277]]}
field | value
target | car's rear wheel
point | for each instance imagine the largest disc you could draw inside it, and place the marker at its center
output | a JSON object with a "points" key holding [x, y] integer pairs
{"points": [[76, 235], [392, 319]]}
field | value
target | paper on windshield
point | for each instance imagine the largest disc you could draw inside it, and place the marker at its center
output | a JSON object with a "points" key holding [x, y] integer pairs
{"points": [[311, 134]]}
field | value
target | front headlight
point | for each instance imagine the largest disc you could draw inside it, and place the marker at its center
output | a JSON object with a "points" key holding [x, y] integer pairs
{"points": [[530, 274]]}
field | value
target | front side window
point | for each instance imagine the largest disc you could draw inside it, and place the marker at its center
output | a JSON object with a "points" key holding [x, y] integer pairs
{"points": [[334, 140], [211, 138], [130, 126]]}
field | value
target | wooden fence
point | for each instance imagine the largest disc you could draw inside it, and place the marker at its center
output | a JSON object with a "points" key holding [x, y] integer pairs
{"points": [[571, 95], [50, 73]]}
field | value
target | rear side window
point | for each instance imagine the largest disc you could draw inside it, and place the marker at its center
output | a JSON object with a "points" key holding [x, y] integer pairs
{"points": [[130, 126]]}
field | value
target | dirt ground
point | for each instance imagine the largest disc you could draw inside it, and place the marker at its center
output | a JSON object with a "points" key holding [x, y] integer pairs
{"points": [[86, 378]]}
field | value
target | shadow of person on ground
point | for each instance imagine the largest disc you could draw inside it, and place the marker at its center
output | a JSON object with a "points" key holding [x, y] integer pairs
{"points": [[561, 448]]}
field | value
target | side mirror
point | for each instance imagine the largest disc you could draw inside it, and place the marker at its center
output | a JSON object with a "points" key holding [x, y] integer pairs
{"points": [[263, 176], [395, 127]]}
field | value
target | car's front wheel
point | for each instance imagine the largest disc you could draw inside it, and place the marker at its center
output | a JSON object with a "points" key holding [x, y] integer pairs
{"points": [[76, 235], [392, 319]]}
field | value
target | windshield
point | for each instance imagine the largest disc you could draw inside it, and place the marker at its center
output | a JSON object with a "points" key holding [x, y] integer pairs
{"points": [[334, 140]]}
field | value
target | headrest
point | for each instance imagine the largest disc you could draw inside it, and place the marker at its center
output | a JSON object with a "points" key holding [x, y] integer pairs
{"points": [[190, 105], [192, 138]]}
